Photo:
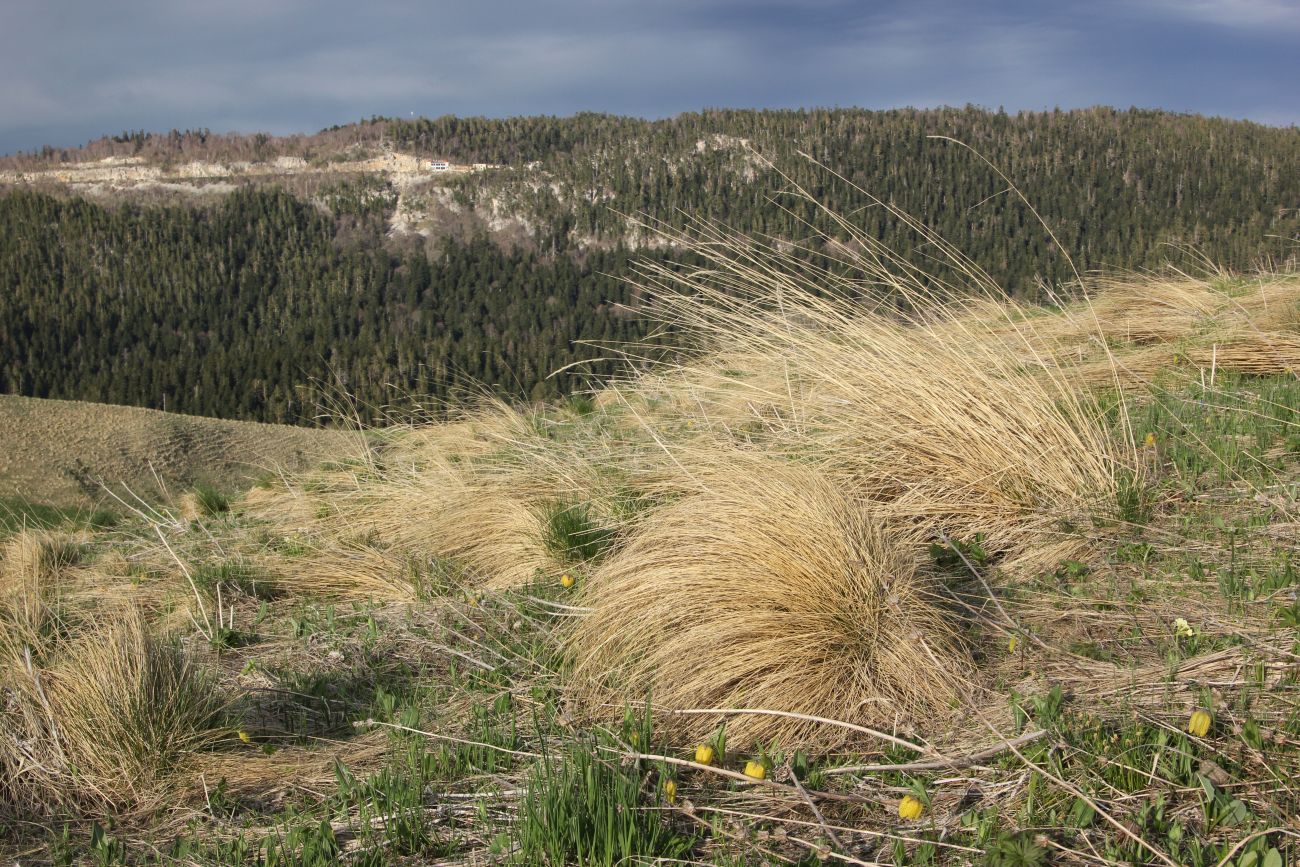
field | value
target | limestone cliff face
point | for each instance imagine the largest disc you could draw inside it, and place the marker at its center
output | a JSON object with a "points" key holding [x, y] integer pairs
{"points": [[123, 172], [425, 204]]}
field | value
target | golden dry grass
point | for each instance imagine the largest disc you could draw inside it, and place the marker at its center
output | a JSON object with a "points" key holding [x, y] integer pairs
{"points": [[476, 491], [35, 570], [400, 517], [769, 588], [929, 418], [1130, 330], [98, 718]]}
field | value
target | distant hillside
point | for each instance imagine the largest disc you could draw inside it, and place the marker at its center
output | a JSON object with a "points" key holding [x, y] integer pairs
{"points": [[223, 275], [56, 451]]}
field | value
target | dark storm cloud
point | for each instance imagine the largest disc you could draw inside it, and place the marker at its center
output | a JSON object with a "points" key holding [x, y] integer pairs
{"points": [[75, 69]]}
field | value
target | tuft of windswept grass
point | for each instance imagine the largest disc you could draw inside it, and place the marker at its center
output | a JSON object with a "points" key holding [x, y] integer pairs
{"points": [[31, 566], [923, 411], [204, 501], [584, 807], [99, 719], [770, 588]]}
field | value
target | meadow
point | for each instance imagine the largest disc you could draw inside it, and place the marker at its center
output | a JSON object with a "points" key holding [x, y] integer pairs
{"points": [[887, 569]]}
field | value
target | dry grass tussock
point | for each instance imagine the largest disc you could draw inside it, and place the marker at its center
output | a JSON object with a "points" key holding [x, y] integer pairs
{"points": [[32, 566], [928, 416], [96, 718], [364, 538], [1131, 329], [95, 708], [769, 588], [345, 569], [477, 491], [488, 529]]}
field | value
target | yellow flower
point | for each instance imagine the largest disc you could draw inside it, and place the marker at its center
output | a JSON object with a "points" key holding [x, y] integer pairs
{"points": [[243, 736], [1011, 645], [566, 581], [704, 754], [1182, 628], [755, 770], [910, 807], [1199, 724], [1150, 440], [670, 791]]}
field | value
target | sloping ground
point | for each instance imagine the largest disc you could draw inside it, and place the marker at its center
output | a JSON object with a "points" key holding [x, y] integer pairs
{"points": [[900, 589], [57, 451]]}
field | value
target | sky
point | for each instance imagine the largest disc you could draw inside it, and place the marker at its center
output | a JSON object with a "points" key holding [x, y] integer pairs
{"points": [[74, 70]]}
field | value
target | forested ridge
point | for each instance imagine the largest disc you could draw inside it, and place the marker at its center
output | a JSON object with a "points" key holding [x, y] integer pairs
{"points": [[249, 309], [244, 307]]}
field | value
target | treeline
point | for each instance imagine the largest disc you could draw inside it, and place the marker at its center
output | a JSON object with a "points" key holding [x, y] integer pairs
{"points": [[253, 310], [1120, 189], [238, 309], [180, 146]]}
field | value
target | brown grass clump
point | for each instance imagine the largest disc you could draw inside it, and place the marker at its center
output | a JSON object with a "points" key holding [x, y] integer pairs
{"points": [[929, 394], [474, 491], [1141, 311], [31, 567], [343, 569], [496, 535], [1132, 330], [769, 588], [96, 720], [188, 507], [1261, 353], [931, 420]]}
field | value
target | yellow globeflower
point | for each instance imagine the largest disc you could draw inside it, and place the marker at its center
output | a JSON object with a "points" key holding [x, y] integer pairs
{"points": [[1011, 645], [910, 807], [755, 770], [1150, 440], [1199, 724], [566, 581], [670, 791], [704, 754], [244, 736]]}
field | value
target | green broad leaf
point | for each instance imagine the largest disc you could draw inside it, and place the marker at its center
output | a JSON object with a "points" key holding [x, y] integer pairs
{"points": [[1273, 858]]}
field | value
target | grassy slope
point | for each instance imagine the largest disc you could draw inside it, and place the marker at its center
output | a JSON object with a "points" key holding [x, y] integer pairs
{"points": [[56, 450], [344, 617]]}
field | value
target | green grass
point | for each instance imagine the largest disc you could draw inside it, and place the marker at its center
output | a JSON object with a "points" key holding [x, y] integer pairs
{"points": [[1243, 430], [211, 502], [572, 535], [18, 513], [591, 808], [235, 576]]}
